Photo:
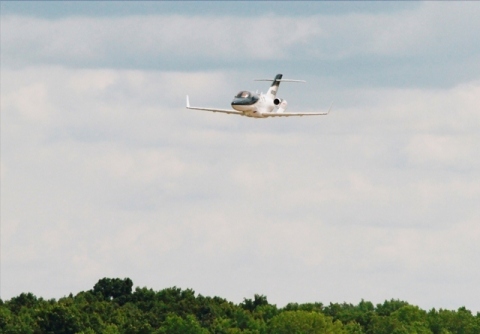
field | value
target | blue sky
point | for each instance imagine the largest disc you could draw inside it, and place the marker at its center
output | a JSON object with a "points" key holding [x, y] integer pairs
{"points": [[239, 8], [106, 174]]}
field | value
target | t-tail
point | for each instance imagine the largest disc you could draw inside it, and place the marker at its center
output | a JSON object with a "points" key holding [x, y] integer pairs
{"points": [[272, 91]]}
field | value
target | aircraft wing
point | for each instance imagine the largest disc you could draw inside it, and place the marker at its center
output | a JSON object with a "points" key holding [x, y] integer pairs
{"points": [[288, 114], [226, 111]]}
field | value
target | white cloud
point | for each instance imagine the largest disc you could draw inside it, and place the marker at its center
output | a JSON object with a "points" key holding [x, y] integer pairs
{"points": [[446, 151], [85, 39], [429, 30]]}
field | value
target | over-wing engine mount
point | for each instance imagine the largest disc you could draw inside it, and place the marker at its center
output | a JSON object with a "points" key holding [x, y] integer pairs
{"points": [[280, 104]]}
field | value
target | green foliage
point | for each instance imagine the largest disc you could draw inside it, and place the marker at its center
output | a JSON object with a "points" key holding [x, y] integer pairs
{"points": [[303, 322], [353, 328], [112, 308], [446, 322], [177, 325], [114, 288], [59, 319], [27, 300], [347, 313], [388, 307], [312, 307], [251, 305]]}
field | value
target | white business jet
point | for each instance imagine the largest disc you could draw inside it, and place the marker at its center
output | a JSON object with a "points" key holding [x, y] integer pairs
{"points": [[250, 104]]}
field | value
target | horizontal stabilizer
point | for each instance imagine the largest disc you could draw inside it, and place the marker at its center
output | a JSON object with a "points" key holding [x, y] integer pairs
{"points": [[280, 80]]}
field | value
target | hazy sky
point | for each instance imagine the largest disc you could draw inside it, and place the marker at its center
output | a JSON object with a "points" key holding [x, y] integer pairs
{"points": [[104, 173]]}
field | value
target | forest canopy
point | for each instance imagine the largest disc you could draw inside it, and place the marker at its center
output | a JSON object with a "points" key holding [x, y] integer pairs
{"points": [[112, 306]]}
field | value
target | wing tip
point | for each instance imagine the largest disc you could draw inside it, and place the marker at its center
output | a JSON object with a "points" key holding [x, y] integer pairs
{"points": [[331, 104]]}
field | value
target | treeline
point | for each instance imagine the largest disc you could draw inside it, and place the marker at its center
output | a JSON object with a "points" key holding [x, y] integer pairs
{"points": [[113, 307]]}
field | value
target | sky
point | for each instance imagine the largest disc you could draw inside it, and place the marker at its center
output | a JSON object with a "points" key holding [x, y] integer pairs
{"points": [[105, 173]]}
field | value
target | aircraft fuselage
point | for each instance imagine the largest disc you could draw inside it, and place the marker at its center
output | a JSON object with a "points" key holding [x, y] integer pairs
{"points": [[255, 105], [252, 105]]}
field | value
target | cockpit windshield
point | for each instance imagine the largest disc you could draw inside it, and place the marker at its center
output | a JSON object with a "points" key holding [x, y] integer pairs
{"points": [[243, 94]]}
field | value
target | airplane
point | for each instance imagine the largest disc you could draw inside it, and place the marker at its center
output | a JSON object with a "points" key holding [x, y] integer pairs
{"points": [[256, 105]]}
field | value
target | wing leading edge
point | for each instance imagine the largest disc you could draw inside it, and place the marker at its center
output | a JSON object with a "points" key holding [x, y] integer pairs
{"points": [[225, 111], [288, 114]]}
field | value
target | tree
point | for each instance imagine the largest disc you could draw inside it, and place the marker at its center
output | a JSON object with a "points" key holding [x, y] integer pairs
{"points": [[114, 288], [303, 322], [177, 325], [346, 313], [353, 328], [251, 305], [111, 308], [406, 320], [461, 321], [59, 319], [389, 306], [409, 314], [245, 321], [27, 300]]}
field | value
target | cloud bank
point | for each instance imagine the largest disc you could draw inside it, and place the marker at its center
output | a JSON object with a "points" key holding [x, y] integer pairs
{"points": [[105, 173]]}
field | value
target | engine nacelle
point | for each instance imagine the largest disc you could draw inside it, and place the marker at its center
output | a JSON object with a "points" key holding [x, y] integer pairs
{"points": [[280, 104]]}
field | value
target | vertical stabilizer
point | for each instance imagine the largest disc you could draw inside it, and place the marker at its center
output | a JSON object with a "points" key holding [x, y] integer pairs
{"points": [[272, 91]]}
